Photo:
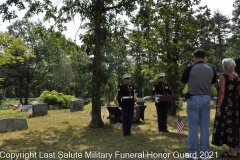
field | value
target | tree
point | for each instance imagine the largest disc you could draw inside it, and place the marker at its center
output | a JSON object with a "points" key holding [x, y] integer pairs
{"points": [[98, 12], [172, 28], [17, 71], [219, 31], [233, 42]]}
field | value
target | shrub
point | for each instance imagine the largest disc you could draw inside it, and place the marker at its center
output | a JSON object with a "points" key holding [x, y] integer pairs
{"points": [[9, 102], [53, 97], [86, 102]]}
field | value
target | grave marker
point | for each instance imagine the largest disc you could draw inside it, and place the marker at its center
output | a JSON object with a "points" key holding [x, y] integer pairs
{"points": [[76, 105], [39, 109], [11, 124]]}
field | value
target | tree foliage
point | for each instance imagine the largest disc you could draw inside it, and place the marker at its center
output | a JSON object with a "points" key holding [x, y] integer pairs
{"points": [[162, 38]]}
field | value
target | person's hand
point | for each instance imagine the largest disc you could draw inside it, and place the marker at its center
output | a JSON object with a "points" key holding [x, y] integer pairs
{"points": [[218, 112]]}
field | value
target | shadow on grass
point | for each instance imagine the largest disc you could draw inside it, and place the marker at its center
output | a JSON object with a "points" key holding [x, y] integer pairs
{"points": [[65, 139], [57, 143]]}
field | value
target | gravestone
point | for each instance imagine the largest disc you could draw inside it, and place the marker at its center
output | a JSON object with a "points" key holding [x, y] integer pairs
{"points": [[4, 107], [25, 108], [55, 106], [76, 105], [39, 109], [11, 124]]}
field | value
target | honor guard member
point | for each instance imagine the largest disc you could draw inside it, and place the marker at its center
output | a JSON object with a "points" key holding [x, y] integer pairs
{"points": [[159, 89], [126, 102]]}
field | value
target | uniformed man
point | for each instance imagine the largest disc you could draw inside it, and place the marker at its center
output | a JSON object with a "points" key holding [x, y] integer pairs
{"points": [[161, 88], [126, 102]]}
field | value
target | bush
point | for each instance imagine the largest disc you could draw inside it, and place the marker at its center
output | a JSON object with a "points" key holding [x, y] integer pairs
{"points": [[54, 97], [9, 102], [86, 102]]}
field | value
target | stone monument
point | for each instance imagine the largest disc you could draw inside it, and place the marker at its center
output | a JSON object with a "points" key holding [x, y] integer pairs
{"points": [[76, 105], [11, 124]]}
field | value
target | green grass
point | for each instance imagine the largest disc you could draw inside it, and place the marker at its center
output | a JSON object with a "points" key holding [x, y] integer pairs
{"points": [[62, 133]]}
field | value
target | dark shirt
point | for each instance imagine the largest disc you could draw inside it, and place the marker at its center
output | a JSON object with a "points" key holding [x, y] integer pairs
{"points": [[199, 77], [125, 91], [237, 68], [161, 88]]}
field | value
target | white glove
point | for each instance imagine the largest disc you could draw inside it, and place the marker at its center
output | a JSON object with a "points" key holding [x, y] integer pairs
{"points": [[156, 99]]}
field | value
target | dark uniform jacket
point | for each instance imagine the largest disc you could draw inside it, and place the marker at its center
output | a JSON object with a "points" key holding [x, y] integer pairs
{"points": [[125, 95], [237, 68], [163, 89]]}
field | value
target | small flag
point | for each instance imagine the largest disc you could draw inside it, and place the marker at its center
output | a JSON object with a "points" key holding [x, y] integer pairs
{"points": [[90, 116], [30, 111], [15, 106], [180, 124]]}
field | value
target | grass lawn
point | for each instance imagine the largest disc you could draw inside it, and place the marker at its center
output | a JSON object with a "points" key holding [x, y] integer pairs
{"points": [[66, 135]]}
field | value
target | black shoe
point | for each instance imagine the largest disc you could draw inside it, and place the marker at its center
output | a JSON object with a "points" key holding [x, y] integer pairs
{"points": [[127, 134]]}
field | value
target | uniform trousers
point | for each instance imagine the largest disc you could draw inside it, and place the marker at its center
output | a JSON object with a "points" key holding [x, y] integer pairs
{"points": [[162, 111], [127, 115]]}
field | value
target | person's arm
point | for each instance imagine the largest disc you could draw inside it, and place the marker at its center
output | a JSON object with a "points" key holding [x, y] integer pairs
{"points": [[119, 96], [221, 93], [182, 84], [153, 92], [169, 91], [185, 76], [214, 79]]}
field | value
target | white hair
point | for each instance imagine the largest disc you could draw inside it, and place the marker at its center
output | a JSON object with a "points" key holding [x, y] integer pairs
{"points": [[229, 63]]}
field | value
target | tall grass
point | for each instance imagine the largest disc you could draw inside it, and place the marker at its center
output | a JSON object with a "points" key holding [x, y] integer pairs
{"points": [[64, 135]]}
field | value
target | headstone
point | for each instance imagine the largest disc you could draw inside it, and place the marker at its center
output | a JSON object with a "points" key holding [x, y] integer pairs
{"points": [[39, 109], [4, 107], [55, 106], [76, 105], [11, 124], [25, 108]]}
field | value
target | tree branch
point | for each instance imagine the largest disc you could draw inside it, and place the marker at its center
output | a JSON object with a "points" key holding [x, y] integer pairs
{"points": [[119, 5]]}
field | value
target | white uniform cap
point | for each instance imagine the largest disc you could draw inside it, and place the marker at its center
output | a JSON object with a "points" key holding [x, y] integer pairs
{"points": [[161, 75], [126, 76]]}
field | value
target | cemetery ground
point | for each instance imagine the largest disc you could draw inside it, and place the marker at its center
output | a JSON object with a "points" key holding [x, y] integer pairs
{"points": [[62, 134]]}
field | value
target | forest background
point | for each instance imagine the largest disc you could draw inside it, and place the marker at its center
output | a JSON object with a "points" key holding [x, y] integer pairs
{"points": [[158, 36]]}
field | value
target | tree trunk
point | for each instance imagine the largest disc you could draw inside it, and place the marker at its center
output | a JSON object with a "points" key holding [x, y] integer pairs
{"points": [[28, 82], [174, 84], [96, 70], [21, 88]]}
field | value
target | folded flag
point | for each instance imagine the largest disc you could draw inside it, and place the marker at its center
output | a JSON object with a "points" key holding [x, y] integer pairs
{"points": [[180, 124]]}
